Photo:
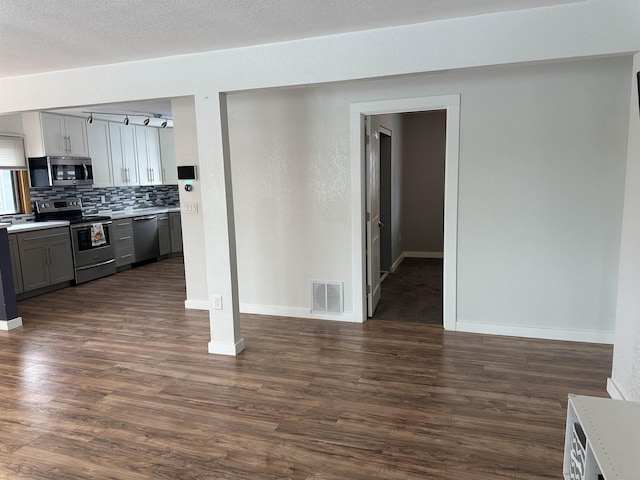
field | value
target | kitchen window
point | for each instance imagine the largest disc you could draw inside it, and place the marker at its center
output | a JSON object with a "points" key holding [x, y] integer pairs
{"points": [[12, 159], [8, 193]]}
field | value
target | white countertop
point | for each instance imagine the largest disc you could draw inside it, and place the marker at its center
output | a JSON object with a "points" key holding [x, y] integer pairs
{"points": [[139, 211], [28, 226]]}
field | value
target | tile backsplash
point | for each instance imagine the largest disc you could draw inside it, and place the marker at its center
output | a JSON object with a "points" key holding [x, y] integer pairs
{"points": [[116, 198]]}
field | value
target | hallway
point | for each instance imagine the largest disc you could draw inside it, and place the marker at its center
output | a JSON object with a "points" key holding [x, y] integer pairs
{"points": [[413, 293]]}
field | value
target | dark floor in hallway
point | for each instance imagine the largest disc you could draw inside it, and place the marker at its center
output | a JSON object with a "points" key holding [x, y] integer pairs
{"points": [[413, 293]]}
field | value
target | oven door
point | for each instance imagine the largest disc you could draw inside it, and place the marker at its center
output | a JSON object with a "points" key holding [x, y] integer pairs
{"points": [[92, 245]]}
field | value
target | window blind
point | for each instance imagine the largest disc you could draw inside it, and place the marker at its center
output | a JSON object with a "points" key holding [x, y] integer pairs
{"points": [[12, 153]]}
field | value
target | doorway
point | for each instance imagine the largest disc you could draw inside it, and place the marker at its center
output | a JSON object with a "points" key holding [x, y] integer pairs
{"points": [[411, 271], [451, 104]]}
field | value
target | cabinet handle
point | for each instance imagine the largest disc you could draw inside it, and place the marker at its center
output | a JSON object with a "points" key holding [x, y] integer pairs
{"points": [[124, 238], [43, 236], [164, 175], [47, 255], [69, 139]]}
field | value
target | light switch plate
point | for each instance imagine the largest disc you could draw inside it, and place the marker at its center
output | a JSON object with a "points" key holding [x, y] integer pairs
{"points": [[217, 302], [191, 207]]}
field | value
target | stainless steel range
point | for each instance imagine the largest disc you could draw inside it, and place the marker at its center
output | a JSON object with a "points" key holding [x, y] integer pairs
{"points": [[93, 253]]}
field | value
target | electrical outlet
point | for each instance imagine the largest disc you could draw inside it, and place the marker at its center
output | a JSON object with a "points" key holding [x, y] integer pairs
{"points": [[217, 302], [146, 196], [103, 199]]}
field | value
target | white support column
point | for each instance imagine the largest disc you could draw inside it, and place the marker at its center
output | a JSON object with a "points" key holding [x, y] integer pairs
{"points": [[219, 228]]}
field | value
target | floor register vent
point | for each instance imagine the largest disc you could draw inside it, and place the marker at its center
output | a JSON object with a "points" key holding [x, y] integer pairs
{"points": [[326, 297]]}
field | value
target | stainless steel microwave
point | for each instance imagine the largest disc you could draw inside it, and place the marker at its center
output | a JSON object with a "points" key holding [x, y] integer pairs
{"points": [[60, 171]]}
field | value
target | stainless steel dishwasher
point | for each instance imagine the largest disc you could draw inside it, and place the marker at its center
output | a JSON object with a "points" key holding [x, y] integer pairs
{"points": [[145, 238]]}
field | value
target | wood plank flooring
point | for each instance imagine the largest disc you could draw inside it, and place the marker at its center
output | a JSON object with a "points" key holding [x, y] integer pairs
{"points": [[112, 380]]}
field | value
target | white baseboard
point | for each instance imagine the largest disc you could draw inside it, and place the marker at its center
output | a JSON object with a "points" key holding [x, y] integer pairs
{"points": [[297, 312], [404, 255], [613, 390], [533, 332], [397, 263], [194, 304], [7, 325], [423, 254], [222, 348]]}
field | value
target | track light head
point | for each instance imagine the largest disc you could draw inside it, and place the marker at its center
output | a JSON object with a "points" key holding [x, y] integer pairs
{"points": [[126, 120], [90, 118], [164, 124], [146, 121]]}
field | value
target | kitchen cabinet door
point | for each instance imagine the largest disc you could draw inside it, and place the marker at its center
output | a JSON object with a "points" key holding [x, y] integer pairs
{"points": [[60, 260], [100, 153], [54, 136], [34, 264], [168, 157], [75, 129], [46, 257], [148, 155], [164, 234], [64, 135], [123, 155], [15, 264], [175, 227]]}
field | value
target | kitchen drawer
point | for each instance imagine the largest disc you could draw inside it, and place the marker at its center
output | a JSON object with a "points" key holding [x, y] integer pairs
{"points": [[123, 238], [122, 224], [124, 256]]}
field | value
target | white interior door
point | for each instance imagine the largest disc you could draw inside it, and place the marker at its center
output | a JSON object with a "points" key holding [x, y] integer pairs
{"points": [[373, 217]]}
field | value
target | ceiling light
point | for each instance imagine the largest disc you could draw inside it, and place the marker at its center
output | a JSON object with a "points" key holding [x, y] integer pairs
{"points": [[126, 120], [90, 118], [146, 121], [164, 124]]}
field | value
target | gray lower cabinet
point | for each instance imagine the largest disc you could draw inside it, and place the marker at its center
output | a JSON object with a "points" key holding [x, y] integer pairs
{"points": [[175, 227], [164, 234], [123, 241], [15, 263], [46, 257]]}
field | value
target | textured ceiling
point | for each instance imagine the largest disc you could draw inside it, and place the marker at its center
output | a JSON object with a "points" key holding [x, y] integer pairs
{"points": [[44, 35]]}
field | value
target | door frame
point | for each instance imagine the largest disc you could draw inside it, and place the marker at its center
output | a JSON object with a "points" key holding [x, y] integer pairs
{"points": [[358, 111]]}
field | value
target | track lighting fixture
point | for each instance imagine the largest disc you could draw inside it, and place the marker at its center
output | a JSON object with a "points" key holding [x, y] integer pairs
{"points": [[146, 116]]}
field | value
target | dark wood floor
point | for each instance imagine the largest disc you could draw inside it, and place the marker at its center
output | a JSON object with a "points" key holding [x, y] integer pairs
{"points": [[112, 380]]}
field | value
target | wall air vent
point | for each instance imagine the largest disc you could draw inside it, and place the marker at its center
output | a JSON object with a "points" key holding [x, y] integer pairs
{"points": [[326, 297]]}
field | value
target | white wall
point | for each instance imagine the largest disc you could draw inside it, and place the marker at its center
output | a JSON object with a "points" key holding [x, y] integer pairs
{"points": [[541, 179], [583, 29], [11, 123], [186, 145], [626, 354]]}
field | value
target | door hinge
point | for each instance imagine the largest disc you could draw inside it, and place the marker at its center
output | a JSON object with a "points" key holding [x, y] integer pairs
{"points": [[368, 288], [368, 216]]}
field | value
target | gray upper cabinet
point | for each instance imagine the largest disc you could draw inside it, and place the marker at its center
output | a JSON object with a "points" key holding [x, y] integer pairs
{"points": [[100, 153], [15, 263], [64, 135], [45, 257]]}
